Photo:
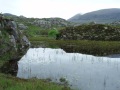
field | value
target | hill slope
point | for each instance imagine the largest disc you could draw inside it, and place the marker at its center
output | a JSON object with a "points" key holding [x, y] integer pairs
{"points": [[98, 32], [99, 16], [38, 26]]}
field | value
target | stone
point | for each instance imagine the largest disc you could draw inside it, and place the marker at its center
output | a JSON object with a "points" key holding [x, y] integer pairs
{"points": [[12, 27], [105, 27], [13, 42], [25, 41], [22, 26]]}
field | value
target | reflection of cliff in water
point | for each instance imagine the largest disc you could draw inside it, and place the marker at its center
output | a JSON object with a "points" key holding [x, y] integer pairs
{"points": [[10, 67], [96, 51], [70, 48], [114, 56], [77, 49]]}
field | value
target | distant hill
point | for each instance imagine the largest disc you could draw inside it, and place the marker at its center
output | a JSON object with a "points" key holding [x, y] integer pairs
{"points": [[99, 16], [76, 17], [10, 15]]}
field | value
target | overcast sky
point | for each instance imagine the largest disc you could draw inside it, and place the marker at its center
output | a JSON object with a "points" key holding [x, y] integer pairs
{"points": [[54, 8]]}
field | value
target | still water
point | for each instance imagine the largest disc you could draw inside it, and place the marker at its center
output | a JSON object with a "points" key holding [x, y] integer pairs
{"points": [[83, 72]]}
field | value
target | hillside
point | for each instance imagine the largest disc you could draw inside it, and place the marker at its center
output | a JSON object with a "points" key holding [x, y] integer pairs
{"points": [[38, 26], [41, 22], [99, 16], [98, 32]]}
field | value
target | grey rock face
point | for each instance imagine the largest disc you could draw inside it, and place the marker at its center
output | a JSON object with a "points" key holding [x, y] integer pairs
{"points": [[12, 41], [25, 40], [14, 30], [42, 23]]}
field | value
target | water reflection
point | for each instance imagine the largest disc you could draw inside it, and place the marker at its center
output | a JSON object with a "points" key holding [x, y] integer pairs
{"points": [[83, 72]]}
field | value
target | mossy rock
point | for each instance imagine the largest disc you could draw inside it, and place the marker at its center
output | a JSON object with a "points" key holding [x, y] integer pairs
{"points": [[97, 32]]}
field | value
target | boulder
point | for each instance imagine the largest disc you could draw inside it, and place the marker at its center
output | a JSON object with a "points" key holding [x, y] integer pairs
{"points": [[13, 43], [22, 26]]}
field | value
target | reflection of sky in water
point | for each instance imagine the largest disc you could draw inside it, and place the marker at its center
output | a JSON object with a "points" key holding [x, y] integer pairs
{"points": [[82, 71]]}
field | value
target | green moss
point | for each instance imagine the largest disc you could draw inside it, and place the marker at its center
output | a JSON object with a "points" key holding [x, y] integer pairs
{"points": [[5, 35], [5, 57]]}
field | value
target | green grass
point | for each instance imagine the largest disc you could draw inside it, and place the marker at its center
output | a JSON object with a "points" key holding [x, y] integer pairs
{"points": [[8, 82], [99, 48], [32, 30]]}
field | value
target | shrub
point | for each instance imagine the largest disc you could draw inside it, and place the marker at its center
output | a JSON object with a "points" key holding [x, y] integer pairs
{"points": [[53, 33]]}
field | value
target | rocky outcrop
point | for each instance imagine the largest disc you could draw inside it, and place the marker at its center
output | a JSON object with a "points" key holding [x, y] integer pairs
{"points": [[51, 22], [42, 23], [13, 44], [116, 23], [22, 26], [90, 32]]}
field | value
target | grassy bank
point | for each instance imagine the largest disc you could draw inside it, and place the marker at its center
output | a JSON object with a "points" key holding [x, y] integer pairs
{"points": [[99, 48], [8, 82]]}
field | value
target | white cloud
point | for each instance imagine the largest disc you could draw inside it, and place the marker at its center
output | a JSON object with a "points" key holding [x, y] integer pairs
{"points": [[54, 8]]}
